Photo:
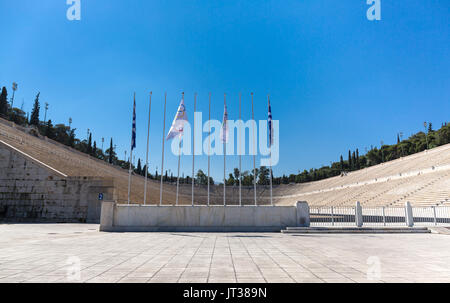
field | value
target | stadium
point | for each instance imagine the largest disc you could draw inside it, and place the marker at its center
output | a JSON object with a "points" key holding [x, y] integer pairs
{"points": [[144, 196]]}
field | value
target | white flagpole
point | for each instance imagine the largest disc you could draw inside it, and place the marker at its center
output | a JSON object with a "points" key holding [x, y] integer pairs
{"points": [[224, 153], [162, 157], [146, 155], [179, 158], [209, 142], [254, 156], [270, 155], [240, 157], [193, 150], [131, 157]]}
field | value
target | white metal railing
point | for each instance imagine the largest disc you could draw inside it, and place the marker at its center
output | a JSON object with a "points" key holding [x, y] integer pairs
{"points": [[380, 216], [332, 216], [431, 216]]}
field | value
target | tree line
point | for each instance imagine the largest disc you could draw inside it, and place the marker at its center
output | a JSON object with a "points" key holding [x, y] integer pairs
{"points": [[65, 134]]}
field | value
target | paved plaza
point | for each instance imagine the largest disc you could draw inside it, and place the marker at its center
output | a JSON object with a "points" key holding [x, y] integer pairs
{"points": [[79, 253]]}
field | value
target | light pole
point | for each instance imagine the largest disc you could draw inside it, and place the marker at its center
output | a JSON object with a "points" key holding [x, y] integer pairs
{"points": [[70, 123], [426, 132], [14, 88], [88, 132], [45, 115], [103, 140]]}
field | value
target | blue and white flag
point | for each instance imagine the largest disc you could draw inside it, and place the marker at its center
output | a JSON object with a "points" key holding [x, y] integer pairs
{"points": [[270, 126], [133, 127], [224, 129], [178, 123]]}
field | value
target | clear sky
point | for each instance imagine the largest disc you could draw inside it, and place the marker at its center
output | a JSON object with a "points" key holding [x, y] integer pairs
{"points": [[337, 81]]}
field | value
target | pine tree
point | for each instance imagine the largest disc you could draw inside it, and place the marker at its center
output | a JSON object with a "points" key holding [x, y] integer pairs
{"points": [[358, 165], [430, 127], [110, 160], [94, 149], [4, 102], [349, 160], [398, 139], [342, 163], [49, 130], [353, 160], [34, 119], [89, 144], [139, 167]]}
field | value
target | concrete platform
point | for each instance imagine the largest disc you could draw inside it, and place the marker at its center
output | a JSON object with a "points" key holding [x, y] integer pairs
{"points": [[151, 218], [47, 253], [354, 230]]}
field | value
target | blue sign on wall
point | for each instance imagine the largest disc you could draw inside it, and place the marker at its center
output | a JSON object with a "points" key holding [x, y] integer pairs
{"points": [[100, 196]]}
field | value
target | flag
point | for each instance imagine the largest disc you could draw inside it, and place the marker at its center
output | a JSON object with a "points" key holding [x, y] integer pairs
{"points": [[270, 126], [133, 126], [224, 129], [178, 123]]}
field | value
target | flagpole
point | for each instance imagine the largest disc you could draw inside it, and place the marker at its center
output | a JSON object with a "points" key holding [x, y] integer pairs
{"points": [[146, 155], [270, 146], [162, 157], [193, 150], [224, 152], [131, 157], [179, 158], [209, 142], [254, 156], [240, 157]]}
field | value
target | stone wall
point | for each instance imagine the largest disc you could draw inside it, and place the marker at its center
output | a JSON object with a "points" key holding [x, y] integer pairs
{"points": [[117, 217], [32, 192]]}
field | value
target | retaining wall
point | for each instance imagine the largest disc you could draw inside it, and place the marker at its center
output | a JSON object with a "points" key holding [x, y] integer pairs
{"points": [[32, 192], [116, 217]]}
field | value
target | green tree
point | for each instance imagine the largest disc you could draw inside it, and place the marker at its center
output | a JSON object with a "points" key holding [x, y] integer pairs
{"points": [[237, 174], [110, 152], [139, 167], [263, 176], [358, 164], [18, 116], [94, 149], [89, 145], [349, 160], [34, 119], [230, 181], [49, 130], [202, 178], [4, 102]]}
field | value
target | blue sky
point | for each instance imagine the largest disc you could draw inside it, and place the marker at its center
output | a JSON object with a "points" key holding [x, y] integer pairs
{"points": [[337, 81]]}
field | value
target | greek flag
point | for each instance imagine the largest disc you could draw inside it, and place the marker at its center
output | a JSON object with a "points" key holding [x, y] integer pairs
{"points": [[224, 129], [178, 123], [133, 127], [270, 126]]}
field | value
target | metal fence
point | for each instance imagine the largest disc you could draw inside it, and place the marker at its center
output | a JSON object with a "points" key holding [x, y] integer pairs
{"points": [[379, 216], [428, 216], [332, 216]]}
